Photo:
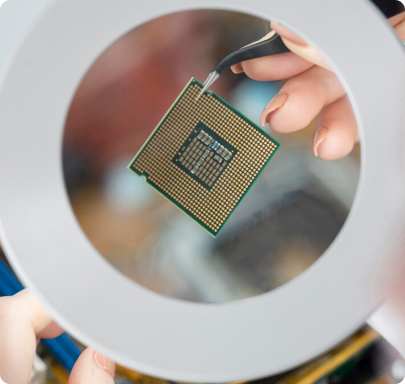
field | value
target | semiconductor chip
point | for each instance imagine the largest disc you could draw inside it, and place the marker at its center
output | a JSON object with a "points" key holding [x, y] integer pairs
{"points": [[204, 156]]}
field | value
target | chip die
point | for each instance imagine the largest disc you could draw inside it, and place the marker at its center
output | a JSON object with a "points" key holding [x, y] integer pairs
{"points": [[204, 156]]}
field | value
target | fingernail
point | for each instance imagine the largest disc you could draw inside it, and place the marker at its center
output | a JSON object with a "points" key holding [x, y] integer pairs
{"points": [[101, 362], [319, 137], [287, 34], [237, 68], [277, 102], [265, 37]]}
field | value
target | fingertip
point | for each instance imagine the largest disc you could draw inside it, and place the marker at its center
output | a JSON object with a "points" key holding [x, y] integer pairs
{"points": [[50, 332], [275, 104], [92, 368], [237, 68], [104, 364], [33, 310], [332, 145], [288, 118], [342, 131], [319, 137]]}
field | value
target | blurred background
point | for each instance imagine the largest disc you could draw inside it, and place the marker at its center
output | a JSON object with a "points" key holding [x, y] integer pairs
{"points": [[288, 219]]}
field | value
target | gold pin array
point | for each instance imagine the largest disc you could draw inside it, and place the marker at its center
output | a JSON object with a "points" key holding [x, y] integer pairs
{"points": [[210, 207]]}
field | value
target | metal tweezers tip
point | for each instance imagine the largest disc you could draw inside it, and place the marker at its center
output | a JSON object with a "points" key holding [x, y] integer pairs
{"points": [[208, 82]]}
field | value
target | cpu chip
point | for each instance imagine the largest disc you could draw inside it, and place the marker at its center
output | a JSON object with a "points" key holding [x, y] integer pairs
{"points": [[204, 156]]}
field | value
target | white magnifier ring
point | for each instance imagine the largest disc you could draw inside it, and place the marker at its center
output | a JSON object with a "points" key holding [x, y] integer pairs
{"points": [[169, 338]]}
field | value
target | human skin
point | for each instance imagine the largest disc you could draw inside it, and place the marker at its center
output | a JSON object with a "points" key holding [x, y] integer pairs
{"points": [[23, 322], [312, 90]]}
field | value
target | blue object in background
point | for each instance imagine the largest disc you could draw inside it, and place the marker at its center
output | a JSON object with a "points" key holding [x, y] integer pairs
{"points": [[62, 348], [124, 192], [250, 97]]}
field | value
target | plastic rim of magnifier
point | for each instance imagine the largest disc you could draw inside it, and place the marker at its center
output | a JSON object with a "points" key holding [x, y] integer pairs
{"points": [[170, 338]]}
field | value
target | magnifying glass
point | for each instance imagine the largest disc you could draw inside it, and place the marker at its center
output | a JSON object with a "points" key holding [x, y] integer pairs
{"points": [[170, 338]]}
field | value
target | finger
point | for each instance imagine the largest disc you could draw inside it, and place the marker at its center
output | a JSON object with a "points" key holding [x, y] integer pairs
{"points": [[336, 131], [92, 368], [237, 68], [308, 53], [301, 99], [302, 49], [398, 22], [50, 332], [21, 318], [297, 45], [397, 19], [271, 68]]}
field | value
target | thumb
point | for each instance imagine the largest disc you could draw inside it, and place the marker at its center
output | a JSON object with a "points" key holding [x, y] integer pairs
{"points": [[299, 46], [92, 368]]}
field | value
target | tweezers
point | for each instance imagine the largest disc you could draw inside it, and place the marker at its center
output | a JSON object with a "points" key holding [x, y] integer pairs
{"points": [[273, 45]]}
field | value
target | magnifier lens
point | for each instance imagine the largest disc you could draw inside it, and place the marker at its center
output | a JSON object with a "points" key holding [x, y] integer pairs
{"points": [[289, 217]]}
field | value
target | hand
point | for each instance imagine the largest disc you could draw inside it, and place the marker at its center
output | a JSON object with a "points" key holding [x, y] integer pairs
{"points": [[313, 89], [23, 322]]}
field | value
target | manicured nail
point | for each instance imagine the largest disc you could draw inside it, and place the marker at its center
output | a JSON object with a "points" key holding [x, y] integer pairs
{"points": [[287, 34], [265, 37], [101, 362], [237, 68], [277, 102], [319, 137]]}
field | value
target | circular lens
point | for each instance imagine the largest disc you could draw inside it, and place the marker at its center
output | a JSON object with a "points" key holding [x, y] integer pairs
{"points": [[283, 224]]}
